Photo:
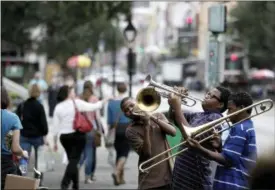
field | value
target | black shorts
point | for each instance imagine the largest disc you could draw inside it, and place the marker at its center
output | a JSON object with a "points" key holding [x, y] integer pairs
{"points": [[121, 144]]}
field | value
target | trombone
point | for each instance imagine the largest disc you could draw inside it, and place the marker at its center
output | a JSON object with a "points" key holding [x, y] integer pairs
{"points": [[198, 132], [149, 97]]}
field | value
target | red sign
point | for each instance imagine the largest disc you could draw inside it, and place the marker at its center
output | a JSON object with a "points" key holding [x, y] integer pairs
{"points": [[234, 57]]}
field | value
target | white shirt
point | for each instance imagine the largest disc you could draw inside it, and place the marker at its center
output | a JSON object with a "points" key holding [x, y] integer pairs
{"points": [[64, 114]]}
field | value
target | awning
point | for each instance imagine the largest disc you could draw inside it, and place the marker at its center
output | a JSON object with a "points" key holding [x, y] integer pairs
{"points": [[263, 74]]}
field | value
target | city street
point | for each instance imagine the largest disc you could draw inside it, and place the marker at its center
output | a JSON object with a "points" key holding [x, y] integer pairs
{"points": [[103, 174], [265, 131], [58, 51]]}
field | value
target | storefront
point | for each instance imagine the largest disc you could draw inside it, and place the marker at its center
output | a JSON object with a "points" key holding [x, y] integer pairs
{"points": [[14, 66]]}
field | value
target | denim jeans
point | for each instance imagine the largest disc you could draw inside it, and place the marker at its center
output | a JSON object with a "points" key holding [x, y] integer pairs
{"points": [[89, 155], [27, 143]]}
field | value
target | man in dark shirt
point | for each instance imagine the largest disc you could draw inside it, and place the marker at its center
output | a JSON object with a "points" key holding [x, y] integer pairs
{"points": [[192, 171], [147, 136]]}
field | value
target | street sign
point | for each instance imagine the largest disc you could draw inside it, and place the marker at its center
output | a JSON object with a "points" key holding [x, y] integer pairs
{"points": [[217, 18]]}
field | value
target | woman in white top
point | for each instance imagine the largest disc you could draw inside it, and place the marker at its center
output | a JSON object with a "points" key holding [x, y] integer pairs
{"points": [[72, 141]]}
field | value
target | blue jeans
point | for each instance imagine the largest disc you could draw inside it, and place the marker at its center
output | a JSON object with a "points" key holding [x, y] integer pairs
{"points": [[89, 155], [27, 143]]}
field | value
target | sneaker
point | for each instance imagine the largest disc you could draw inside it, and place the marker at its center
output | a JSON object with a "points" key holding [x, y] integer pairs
{"points": [[88, 181]]}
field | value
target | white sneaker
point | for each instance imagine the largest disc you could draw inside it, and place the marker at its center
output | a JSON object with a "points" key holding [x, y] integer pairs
{"points": [[88, 181]]}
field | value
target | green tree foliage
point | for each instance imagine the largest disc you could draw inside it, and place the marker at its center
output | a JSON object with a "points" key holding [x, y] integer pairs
{"points": [[17, 17], [69, 27], [256, 25]]}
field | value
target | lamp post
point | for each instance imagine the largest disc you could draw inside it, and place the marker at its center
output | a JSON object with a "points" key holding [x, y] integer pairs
{"points": [[130, 34], [115, 25]]}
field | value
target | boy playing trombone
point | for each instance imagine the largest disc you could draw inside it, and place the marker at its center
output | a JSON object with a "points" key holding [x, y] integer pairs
{"points": [[147, 137], [192, 171], [239, 152]]}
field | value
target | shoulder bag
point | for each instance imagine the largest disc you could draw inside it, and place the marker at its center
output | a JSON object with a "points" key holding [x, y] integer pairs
{"points": [[81, 123]]}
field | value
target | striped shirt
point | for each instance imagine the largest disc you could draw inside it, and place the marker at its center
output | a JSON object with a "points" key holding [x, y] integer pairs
{"points": [[192, 171], [240, 149]]}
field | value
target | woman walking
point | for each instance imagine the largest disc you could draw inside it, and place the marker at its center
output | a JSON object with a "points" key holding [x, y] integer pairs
{"points": [[89, 153], [33, 118], [10, 135], [118, 123], [73, 141]]}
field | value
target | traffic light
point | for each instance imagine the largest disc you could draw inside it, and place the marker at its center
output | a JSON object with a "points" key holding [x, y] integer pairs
{"points": [[234, 57]]}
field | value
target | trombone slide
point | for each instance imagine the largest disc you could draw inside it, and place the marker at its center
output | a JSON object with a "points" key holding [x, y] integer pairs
{"points": [[259, 107]]}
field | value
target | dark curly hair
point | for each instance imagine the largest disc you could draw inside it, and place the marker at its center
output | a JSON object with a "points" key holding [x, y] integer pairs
{"points": [[225, 94], [241, 100]]}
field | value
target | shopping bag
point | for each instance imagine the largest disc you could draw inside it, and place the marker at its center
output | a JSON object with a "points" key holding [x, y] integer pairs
{"points": [[110, 138], [65, 159], [45, 159]]}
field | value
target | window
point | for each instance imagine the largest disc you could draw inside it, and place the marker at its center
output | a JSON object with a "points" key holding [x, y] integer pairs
{"points": [[15, 71], [236, 65]]}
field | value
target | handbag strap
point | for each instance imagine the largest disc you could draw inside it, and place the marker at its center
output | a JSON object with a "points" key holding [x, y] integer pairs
{"points": [[75, 108]]}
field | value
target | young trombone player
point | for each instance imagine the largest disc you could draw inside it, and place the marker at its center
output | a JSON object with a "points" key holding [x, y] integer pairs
{"points": [[192, 171], [238, 155], [147, 136]]}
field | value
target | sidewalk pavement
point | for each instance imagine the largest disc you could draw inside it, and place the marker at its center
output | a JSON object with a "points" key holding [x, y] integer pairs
{"points": [[103, 173]]}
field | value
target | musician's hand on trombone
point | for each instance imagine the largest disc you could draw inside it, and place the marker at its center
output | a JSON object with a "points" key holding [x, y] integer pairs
{"points": [[181, 90], [192, 143], [174, 101], [216, 142], [146, 119]]}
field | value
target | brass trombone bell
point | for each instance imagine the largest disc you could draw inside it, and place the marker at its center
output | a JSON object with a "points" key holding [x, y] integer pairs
{"points": [[148, 99]]}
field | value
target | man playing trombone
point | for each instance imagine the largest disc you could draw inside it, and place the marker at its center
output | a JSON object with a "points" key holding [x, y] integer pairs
{"points": [[192, 171], [147, 136], [239, 152]]}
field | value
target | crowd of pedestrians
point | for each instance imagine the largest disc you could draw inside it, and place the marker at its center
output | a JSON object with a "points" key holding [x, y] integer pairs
{"points": [[28, 127]]}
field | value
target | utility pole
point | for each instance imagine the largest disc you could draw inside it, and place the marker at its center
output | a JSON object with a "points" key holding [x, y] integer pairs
{"points": [[130, 34], [114, 59], [216, 45]]}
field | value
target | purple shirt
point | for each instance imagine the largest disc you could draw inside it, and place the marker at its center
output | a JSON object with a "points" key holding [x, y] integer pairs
{"points": [[192, 171]]}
